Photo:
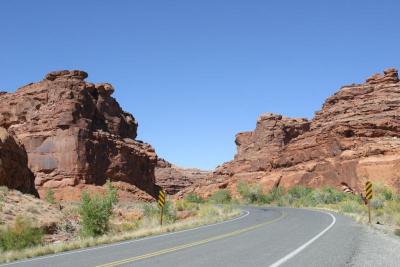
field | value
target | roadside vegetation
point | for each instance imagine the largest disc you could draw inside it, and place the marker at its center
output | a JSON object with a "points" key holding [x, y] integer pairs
{"points": [[385, 206], [101, 219]]}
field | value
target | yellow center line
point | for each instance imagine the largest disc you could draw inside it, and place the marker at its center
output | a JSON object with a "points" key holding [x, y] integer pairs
{"points": [[189, 245]]}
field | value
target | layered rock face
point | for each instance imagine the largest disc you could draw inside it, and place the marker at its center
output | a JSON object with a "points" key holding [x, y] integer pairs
{"points": [[174, 179], [354, 137], [14, 171], [75, 134]]}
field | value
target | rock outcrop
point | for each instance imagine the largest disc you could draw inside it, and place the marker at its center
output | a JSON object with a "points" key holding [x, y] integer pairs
{"points": [[173, 179], [14, 171], [75, 133], [354, 137]]}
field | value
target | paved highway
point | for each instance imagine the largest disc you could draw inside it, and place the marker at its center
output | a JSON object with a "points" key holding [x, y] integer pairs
{"points": [[259, 237]]}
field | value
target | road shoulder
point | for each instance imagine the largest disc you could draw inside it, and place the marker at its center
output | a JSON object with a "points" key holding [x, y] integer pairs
{"points": [[376, 249]]}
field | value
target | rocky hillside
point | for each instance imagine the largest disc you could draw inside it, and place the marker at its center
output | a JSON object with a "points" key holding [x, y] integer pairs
{"points": [[75, 135], [354, 137]]}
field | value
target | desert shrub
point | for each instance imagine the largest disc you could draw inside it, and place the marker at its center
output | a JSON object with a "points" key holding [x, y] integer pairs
{"points": [[300, 196], [151, 211], [387, 194], [21, 235], [180, 205], [328, 195], [194, 198], [299, 192], [351, 206], [276, 195], [243, 189], [222, 196], [251, 193], [382, 192], [393, 207], [95, 212], [377, 203], [183, 204], [49, 197], [125, 226], [207, 211]]}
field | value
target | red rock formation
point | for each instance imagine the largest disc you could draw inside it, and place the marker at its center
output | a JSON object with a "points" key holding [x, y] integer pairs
{"points": [[353, 138], [75, 133], [173, 178], [14, 171]]}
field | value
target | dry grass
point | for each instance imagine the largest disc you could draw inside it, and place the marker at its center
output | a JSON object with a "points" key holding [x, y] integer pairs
{"points": [[206, 215]]}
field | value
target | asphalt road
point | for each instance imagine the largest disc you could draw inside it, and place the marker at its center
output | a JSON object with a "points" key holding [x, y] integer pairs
{"points": [[260, 237]]}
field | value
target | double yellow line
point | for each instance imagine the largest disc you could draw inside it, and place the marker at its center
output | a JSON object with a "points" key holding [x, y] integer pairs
{"points": [[189, 245]]}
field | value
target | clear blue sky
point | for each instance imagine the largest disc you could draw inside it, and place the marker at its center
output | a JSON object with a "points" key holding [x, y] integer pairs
{"points": [[194, 73]]}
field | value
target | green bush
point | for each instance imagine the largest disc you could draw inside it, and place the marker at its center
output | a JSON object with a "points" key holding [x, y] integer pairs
{"points": [[328, 195], [49, 197], [21, 235], [299, 192], [386, 193], [95, 212], [252, 194], [222, 196], [276, 194], [194, 198]]}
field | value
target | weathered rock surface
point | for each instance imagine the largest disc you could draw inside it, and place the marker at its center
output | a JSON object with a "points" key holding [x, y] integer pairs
{"points": [[174, 179], [75, 133], [14, 171], [16, 204], [354, 137]]}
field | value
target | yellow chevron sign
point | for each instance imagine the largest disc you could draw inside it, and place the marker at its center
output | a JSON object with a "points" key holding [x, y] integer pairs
{"points": [[161, 198], [368, 190]]}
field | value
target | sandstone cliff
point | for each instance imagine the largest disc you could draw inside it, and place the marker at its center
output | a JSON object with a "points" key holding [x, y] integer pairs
{"points": [[174, 179], [14, 171], [76, 134], [354, 137]]}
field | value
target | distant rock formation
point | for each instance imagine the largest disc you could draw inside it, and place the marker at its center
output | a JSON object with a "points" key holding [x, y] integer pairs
{"points": [[355, 137], [173, 179], [14, 171], [75, 134]]}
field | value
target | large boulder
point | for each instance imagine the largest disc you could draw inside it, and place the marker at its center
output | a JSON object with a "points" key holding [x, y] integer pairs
{"points": [[14, 171], [75, 133]]}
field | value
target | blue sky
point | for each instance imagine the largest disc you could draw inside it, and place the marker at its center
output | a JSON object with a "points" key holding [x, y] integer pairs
{"points": [[194, 73]]}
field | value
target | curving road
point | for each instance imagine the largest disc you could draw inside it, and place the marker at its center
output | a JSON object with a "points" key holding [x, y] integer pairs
{"points": [[259, 237]]}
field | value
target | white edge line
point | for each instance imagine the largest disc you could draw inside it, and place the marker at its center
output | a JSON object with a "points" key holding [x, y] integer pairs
{"points": [[246, 213], [309, 242]]}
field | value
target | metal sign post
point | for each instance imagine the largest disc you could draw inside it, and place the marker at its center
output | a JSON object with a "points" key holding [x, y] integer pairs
{"points": [[368, 196]]}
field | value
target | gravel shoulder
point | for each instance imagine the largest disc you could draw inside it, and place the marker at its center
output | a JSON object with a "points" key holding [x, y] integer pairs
{"points": [[376, 249]]}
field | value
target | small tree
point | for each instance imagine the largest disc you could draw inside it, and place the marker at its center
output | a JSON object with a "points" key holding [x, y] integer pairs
{"points": [[96, 211]]}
